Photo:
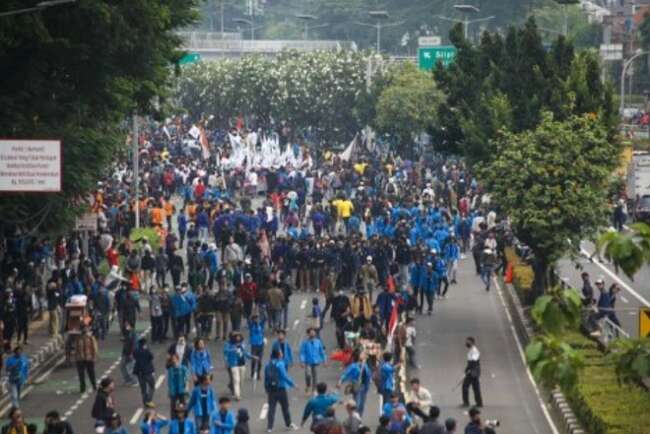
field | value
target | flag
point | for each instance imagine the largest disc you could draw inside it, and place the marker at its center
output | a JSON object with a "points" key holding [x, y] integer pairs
{"points": [[205, 147], [194, 132], [392, 322], [347, 154]]}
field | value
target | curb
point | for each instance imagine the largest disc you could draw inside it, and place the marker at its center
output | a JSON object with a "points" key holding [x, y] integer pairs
{"points": [[523, 326]]}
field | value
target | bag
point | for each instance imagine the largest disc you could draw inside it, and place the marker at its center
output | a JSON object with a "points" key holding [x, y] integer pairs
{"points": [[509, 274], [272, 377]]}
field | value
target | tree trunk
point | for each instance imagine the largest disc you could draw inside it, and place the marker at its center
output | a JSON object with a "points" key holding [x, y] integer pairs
{"points": [[540, 283]]}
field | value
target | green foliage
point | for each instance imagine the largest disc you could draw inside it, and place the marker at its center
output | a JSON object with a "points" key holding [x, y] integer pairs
{"points": [[408, 105], [553, 362], [581, 32], [632, 359], [601, 403], [487, 95], [557, 311], [628, 250], [74, 72], [551, 182], [150, 234], [325, 91]]}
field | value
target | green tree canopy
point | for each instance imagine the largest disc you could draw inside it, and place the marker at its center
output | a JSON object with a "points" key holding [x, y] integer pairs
{"points": [[408, 105], [74, 73]]}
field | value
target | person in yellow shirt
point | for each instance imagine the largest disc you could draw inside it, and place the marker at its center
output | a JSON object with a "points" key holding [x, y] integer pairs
{"points": [[170, 209], [344, 209], [157, 216]]}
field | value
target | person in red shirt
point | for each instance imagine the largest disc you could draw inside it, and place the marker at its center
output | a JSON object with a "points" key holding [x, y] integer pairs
{"points": [[247, 292], [112, 257], [199, 191]]}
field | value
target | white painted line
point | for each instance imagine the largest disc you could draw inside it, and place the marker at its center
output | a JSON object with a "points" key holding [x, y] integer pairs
{"points": [[49, 371], [295, 324], [618, 280], [303, 304], [136, 416], [548, 417], [265, 411], [624, 299], [160, 380]]}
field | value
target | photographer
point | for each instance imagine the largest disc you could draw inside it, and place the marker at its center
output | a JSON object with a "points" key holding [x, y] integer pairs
{"points": [[476, 425]]}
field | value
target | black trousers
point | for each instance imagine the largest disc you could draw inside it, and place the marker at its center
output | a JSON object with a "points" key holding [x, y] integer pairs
{"points": [[275, 397], [86, 367], [476, 388]]}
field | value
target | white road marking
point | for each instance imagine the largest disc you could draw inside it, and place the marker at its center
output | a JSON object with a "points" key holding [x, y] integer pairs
{"points": [[295, 324], [303, 304], [265, 411], [136, 416], [160, 380], [631, 313], [548, 417], [624, 299], [618, 280]]}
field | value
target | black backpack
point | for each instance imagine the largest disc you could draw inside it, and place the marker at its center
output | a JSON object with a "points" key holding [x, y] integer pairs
{"points": [[271, 377]]}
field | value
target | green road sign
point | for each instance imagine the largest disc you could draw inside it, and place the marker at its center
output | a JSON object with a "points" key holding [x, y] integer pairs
{"points": [[190, 58], [428, 56]]}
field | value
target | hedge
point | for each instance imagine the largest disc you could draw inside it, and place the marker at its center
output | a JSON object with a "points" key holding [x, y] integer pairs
{"points": [[152, 236], [602, 405]]}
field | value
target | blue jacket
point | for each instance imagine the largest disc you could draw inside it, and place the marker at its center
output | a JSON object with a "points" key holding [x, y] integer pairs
{"points": [[441, 267], [416, 272], [200, 362], [388, 408], [182, 223], [17, 368], [190, 428], [385, 303], [287, 353], [353, 371], [183, 304], [452, 252], [430, 281], [158, 425], [235, 354], [223, 423], [387, 376], [285, 382], [256, 332], [318, 405], [177, 379], [312, 352], [194, 405]]}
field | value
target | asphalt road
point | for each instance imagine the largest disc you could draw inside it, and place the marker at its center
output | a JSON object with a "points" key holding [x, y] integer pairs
{"points": [[509, 394], [634, 295]]}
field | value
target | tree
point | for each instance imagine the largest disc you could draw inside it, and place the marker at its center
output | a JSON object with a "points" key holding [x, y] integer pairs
{"points": [[75, 73], [408, 105], [552, 183]]}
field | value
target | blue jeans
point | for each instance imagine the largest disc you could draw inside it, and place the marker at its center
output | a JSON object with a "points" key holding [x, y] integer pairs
{"points": [[486, 275], [14, 394], [360, 399]]}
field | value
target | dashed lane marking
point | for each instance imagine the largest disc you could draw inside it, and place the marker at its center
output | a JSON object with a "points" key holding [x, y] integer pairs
{"points": [[160, 380], [295, 324], [303, 304], [265, 411], [136, 416]]}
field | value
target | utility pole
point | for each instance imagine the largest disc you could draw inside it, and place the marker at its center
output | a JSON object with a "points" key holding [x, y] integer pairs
{"points": [[222, 6], [466, 10], [136, 169], [626, 65], [379, 15]]}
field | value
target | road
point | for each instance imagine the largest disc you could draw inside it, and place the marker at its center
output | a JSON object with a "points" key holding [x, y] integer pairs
{"points": [[634, 295], [509, 393]]}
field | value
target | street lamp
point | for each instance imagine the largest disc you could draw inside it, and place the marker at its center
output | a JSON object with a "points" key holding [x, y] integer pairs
{"points": [[248, 23], [380, 15], [626, 64], [306, 18], [39, 7], [467, 10]]}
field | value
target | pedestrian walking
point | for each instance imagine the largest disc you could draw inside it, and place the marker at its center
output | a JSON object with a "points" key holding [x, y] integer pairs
{"points": [[129, 345], [104, 406], [256, 338], [284, 347], [178, 376], [312, 355], [242, 422], [202, 402], [472, 373], [86, 355], [183, 303], [277, 383], [200, 360], [318, 405], [17, 369], [54, 424], [235, 355], [181, 424], [223, 419], [356, 377], [143, 369], [153, 423]]}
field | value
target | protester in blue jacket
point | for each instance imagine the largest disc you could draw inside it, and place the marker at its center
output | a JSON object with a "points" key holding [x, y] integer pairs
{"points": [[256, 338], [283, 346], [153, 423], [202, 402], [386, 384], [183, 303], [429, 284], [235, 354], [200, 360], [357, 376], [318, 405], [181, 422], [276, 384], [17, 369], [223, 420], [312, 354], [178, 376]]}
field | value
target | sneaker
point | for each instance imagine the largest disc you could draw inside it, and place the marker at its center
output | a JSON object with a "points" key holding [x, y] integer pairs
{"points": [[150, 405], [293, 427], [269, 430]]}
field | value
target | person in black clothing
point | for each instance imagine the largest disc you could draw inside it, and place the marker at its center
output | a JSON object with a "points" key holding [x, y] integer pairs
{"points": [[144, 371], [23, 311], [472, 373], [242, 422], [54, 424], [103, 407]]}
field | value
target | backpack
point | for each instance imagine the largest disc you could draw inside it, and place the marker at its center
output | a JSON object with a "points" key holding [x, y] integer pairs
{"points": [[271, 377]]}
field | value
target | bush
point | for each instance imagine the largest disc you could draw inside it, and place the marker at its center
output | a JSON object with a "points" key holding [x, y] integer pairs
{"points": [[602, 405], [152, 236]]}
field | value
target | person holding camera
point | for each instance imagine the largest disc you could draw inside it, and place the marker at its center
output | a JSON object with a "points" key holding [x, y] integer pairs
{"points": [[477, 426], [472, 373]]}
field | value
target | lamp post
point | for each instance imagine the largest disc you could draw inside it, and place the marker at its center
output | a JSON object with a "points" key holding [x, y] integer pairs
{"points": [[466, 10], [626, 64], [306, 18], [39, 7], [379, 15]]}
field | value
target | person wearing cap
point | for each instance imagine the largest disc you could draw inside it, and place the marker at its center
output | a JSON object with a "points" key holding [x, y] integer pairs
{"points": [[369, 276]]}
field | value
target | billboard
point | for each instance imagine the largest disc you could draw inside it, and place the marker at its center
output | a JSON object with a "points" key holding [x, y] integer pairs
{"points": [[30, 166]]}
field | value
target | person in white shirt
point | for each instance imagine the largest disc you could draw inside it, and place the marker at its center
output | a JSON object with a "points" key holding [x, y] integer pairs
{"points": [[472, 373], [410, 343], [419, 400]]}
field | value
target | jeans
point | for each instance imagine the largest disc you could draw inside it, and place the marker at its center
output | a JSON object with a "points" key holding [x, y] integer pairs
{"points": [[256, 364], [360, 399], [285, 316], [275, 318], [311, 375], [126, 366], [486, 276], [86, 367], [274, 397], [205, 326], [147, 387], [14, 394], [156, 328], [182, 326]]}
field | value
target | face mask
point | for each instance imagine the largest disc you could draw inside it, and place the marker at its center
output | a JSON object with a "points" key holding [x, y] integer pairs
{"points": [[468, 345]]}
